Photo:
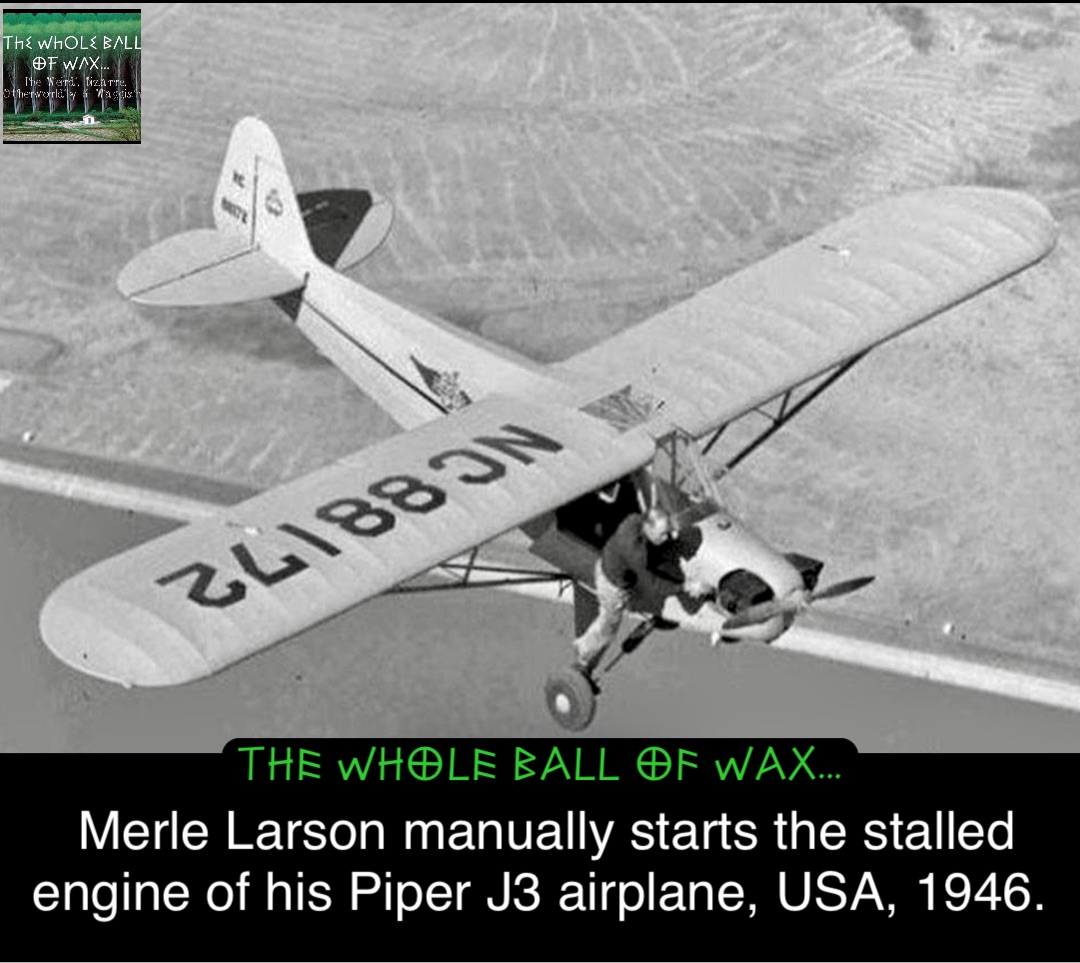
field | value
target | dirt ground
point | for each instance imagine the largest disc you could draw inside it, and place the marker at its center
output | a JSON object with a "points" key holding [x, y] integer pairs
{"points": [[562, 171], [40, 129], [61, 133]]}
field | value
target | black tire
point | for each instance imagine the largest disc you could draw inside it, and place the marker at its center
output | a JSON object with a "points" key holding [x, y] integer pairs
{"points": [[571, 699]]}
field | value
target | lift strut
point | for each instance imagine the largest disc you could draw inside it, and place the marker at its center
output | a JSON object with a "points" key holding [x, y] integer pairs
{"points": [[788, 409]]}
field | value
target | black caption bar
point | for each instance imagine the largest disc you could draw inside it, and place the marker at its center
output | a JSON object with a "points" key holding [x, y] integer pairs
{"points": [[513, 848]]}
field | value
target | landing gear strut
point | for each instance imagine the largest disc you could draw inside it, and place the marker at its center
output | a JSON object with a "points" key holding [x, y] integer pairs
{"points": [[571, 692]]}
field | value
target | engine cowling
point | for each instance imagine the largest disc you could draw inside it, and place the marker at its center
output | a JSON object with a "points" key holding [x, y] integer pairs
{"points": [[737, 568]]}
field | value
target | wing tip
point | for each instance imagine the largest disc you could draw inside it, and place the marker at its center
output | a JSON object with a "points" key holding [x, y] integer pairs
{"points": [[86, 630], [1019, 211]]}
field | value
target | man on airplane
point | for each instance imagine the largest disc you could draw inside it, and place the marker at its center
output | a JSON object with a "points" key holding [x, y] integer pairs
{"points": [[622, 572]]}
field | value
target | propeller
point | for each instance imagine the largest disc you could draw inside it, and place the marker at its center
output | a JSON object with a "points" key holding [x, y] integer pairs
{"points": [[796, 602]]}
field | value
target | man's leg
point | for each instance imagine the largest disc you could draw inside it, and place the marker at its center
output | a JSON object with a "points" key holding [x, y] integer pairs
{"points": [[605, 628]]}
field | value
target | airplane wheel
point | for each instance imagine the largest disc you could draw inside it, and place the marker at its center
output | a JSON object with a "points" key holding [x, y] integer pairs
{"points": [[571, 699]]}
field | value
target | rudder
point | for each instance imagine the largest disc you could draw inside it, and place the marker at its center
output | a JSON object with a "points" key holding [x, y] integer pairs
{"points": [[255, 197]]}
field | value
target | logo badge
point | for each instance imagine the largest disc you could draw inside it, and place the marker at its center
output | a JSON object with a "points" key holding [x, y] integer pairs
{"points": [[444, 385]]}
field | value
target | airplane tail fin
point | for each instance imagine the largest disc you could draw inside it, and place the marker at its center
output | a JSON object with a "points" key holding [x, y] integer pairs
{"points": [[263, 245], [255, 199], [259, 248]]}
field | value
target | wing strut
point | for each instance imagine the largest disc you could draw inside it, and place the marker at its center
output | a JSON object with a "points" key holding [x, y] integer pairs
{"points": [[471, 575], [783, 415]]}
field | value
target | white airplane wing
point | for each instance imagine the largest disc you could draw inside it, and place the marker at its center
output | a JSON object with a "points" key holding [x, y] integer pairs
{"points": [[200, 598], [808, 308]]}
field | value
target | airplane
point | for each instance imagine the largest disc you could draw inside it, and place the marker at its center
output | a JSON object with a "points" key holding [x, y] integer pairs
{"points": [[493, 443]]}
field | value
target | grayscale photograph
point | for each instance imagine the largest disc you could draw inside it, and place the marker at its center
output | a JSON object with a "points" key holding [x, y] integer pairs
{"points": [[540, 370]]}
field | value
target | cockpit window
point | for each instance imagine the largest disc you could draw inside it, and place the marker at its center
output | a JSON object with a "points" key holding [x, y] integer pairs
{"points": [[677, 481], [684, 483]]}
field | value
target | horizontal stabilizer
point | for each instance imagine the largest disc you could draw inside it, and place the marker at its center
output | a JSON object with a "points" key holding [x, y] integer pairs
{"points": [[204, 267], [369, 236], [345, 226]]}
